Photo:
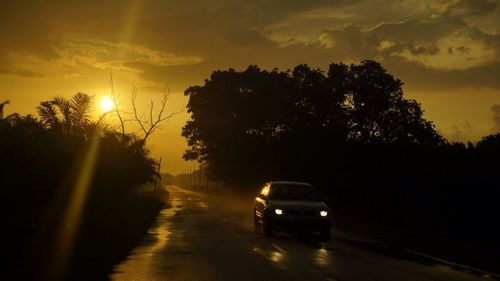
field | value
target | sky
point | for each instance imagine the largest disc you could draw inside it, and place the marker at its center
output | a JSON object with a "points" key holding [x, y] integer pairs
{"points": [[446, 52]]}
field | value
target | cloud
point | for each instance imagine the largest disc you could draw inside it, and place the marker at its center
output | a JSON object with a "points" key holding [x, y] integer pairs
{"points": [[428, 43], [246, 38], [447, 44], [74, 56], [466, 8], [440, 35], [421, 78], [101, 53]]}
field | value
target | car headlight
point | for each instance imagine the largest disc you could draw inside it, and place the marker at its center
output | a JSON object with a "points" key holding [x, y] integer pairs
{"points": [[278, 211], [323, 213]]}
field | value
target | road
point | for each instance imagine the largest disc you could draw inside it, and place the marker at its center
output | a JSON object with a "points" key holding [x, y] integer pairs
{"points": [[201, 237]]}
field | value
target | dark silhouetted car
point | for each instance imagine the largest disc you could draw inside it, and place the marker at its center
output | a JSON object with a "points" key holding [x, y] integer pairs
{"points": [[291, 206]]}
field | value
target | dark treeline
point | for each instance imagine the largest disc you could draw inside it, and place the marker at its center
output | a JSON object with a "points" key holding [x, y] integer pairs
{"points": [[45, 163], [350, 132]]}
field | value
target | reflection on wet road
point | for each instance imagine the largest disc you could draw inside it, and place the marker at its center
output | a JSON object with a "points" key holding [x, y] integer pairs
{"points": [[201, 237]]}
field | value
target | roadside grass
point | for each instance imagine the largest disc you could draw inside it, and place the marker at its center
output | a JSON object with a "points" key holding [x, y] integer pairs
{"points": [[111, 232], [110, 229]]}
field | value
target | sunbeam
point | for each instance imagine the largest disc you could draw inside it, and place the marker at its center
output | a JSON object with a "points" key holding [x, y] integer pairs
{"points": [[68, 230]]}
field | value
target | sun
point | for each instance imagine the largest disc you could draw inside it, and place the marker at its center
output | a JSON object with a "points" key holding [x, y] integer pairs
{"points": [[107, 104]]}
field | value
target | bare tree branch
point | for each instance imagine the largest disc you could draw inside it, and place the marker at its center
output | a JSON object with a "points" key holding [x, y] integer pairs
{"points": [[148, 125], [151, 108], [153, 121], [137, 119], [115, 99]]}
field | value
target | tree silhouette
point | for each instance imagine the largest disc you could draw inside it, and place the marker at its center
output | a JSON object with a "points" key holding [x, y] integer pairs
{"points": [[80, 110], [290, 118], [66, 115], [378, 112], [152, 123], [148, 125]]}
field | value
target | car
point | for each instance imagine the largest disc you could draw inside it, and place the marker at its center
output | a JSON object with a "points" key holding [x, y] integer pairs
{"points": [[291, 206]]}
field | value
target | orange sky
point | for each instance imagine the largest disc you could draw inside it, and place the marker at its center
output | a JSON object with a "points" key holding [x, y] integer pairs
{"points": [[446, 52]]}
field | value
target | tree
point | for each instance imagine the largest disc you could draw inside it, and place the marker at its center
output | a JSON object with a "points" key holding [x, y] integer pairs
{"points": [[378, 113], [235, 118], [66, 115], [150, 124], [147, 125], [297, 119]]}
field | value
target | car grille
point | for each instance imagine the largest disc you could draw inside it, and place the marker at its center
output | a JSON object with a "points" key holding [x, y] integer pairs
{"points": [[301, 213], [293, 213], [309, 213]]}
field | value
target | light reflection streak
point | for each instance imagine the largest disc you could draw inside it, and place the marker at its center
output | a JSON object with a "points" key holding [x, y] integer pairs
{"points": [[202, 205], [163, 230], [322, 257], [277, 257], [146, 254]]}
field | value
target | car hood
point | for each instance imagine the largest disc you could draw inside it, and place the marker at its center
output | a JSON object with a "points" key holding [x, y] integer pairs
{"points": [[295, 204]]}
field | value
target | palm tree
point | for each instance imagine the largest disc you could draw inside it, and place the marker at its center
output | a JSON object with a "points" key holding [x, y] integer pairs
{"points": [[48, 114], [64, 107], [80, 109], [67, 115]]}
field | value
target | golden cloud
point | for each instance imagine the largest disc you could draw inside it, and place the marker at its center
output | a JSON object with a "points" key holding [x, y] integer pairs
{"points": [[75, 56]]}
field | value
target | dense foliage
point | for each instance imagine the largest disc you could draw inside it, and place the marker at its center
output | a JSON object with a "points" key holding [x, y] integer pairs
{"points": [[351, 132], [42, 164], [255, 124], [44, 156]]}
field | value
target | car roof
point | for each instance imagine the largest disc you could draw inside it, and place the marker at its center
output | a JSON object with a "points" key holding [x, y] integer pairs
{"points": [[289, 183]]}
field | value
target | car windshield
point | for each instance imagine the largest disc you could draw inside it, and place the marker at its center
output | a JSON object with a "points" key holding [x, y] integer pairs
{"points": [[293, 192]]}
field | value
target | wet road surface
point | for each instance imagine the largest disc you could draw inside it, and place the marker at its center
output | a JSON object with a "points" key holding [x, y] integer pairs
{"points": [[201, 237]]}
